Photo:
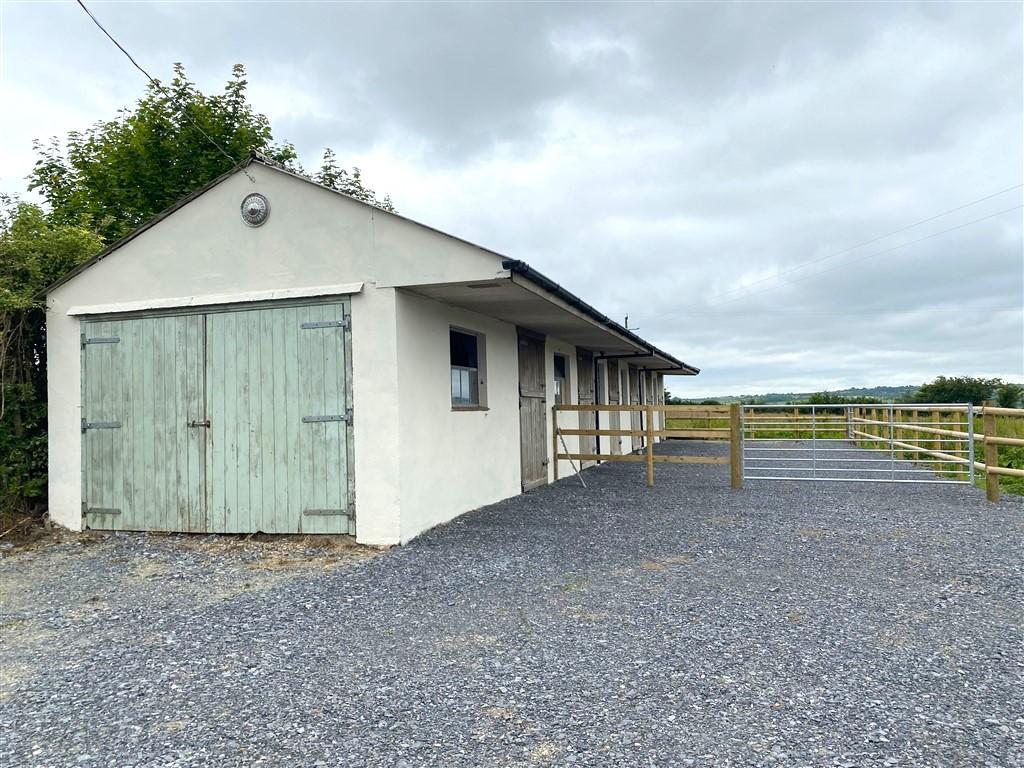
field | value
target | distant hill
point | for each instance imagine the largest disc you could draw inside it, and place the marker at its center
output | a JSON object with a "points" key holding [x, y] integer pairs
{"points": [[893, 394]]}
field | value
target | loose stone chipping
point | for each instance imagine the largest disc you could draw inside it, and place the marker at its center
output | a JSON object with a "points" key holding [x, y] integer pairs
{"points": [[688, 624]]}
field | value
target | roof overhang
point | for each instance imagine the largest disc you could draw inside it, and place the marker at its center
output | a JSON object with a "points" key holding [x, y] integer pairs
{"points": [[521, 301]]}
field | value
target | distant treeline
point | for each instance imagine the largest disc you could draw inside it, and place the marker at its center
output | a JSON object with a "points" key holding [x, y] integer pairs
{"points": [[944, 389]]}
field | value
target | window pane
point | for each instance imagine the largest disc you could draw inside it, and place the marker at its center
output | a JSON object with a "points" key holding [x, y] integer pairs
{"points": [[465, 388], [560, 367], [465, 354], [463, 349]]}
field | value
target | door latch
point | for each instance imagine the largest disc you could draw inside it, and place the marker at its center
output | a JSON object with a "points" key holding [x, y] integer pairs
{"points": [[203, 423]]}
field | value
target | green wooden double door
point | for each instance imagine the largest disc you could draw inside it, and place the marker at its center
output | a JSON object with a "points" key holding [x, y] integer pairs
{"points": [[227, 422]]}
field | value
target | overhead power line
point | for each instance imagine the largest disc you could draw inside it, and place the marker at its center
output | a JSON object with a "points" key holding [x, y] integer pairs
{"points": [[864, 257], [156, 84], [809, 262]]}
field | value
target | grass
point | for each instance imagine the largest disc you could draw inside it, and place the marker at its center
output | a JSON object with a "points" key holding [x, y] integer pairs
{"points": [[1009, 455]]}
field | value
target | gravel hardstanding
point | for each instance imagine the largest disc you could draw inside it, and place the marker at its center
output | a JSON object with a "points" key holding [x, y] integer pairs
{"points": [[786, 624]]}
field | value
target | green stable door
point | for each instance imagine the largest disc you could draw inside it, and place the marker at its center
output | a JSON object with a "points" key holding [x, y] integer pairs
{"points": [[225, 422]]}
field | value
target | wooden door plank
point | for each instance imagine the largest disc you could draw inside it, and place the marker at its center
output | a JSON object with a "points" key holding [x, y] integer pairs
{"points": [[217, 404], [268, 405], [137, 339], [532, 410], [307, 407], [196, 440], [292, 514], [179, 434], [164, 516], [153, 418], [277, 514], [243, 518]]}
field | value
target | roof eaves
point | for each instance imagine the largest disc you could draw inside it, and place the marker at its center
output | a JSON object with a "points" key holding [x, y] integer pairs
{"points": [[524, 269]]}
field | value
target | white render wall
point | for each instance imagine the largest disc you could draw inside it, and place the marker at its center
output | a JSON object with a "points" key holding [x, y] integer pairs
{"points": [[453, 461], [312, 237]]}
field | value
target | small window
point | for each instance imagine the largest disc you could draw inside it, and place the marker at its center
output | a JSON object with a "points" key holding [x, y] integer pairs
{"points": [[561, 380], [466, 358]]}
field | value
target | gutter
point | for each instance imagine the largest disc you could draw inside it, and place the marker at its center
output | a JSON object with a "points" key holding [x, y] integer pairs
{"points": [[524, 269]]}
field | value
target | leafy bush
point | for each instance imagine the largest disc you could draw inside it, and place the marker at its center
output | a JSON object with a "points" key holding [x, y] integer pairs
{"points": [[34, 252], [1010, 395], [957, 389], [828, 398]]}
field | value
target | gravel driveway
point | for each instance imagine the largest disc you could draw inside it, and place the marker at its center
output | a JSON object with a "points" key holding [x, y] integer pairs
{"points": [[784, 624]]}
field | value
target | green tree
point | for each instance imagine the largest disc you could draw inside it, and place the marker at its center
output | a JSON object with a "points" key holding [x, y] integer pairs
{"points": [[1010, 395], [957, 389], [351, 183], [117, 174], [830, 398], [34, 252]]}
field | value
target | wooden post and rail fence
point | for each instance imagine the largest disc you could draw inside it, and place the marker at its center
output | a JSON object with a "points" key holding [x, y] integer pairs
{"points": [[712, 413], [946, 437], [912, 432]]}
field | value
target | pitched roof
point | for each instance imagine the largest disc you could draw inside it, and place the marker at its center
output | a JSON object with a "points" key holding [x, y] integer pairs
{"points": [[512, 265]]}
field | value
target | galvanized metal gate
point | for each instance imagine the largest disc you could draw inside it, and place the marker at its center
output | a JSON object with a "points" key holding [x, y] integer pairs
{"points": [[868, 442], [232, 421]]}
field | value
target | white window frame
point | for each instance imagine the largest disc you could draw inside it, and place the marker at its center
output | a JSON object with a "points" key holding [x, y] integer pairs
{"points": [[481, 370], [563, 394]]}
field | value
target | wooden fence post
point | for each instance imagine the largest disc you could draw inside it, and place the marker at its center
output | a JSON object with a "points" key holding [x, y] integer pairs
{"points": [[735, 446], [899, 434], [991, 452], [938, 466], [554, 438], [650, 447]]}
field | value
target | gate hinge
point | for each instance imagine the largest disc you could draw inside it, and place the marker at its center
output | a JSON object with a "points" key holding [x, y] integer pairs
{"points": [[100, 425], [100, 339], [346, 417], [87, 510], [343, 323]]}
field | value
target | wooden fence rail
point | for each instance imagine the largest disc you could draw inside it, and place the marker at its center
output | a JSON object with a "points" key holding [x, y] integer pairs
{"points": [[910, 432], [907, 430], [732, 433]]}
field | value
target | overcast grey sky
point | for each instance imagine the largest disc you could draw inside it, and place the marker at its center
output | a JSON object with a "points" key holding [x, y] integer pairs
{"points": [[676, 162]]}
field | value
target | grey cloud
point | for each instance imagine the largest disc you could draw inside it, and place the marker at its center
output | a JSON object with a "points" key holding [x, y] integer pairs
{"points": [[651, 157]]}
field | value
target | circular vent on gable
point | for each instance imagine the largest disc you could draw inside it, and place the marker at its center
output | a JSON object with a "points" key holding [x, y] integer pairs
{"points": [[255, 209]]}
